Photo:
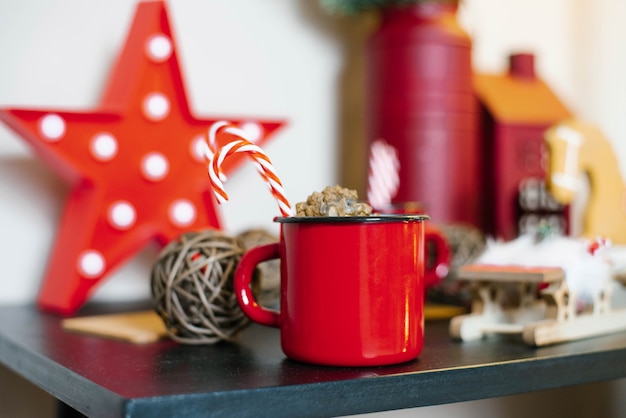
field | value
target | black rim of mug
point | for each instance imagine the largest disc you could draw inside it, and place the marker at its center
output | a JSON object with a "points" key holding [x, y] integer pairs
{"points": [[353, 219]]}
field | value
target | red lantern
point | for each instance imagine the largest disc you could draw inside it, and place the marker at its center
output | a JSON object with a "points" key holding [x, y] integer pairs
{"points": [[421, 101]]}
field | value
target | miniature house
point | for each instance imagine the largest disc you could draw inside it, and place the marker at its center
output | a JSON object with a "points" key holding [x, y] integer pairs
{"points": [[516, 108]]}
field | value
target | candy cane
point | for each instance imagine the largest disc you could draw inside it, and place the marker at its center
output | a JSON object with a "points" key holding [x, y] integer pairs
{"points": [[212, 141], [262, 163], [213, 136], [383, 176]]}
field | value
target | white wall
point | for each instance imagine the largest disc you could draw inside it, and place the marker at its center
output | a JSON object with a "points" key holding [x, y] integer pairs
{"points": [[286, 61]]}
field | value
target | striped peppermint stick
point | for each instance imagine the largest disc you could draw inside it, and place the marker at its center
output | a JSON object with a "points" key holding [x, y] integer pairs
{"points": [[261, 160], [383, 174]]}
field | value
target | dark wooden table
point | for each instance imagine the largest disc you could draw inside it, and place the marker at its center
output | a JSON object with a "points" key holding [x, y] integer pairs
{"points": [[106, 378]]}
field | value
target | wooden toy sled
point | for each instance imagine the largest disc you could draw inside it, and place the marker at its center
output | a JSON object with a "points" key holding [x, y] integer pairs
{"points": [[535, 303]]}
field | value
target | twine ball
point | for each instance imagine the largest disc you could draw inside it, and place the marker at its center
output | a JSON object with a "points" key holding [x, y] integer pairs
{"points": [[192, 287], [466, 243]]}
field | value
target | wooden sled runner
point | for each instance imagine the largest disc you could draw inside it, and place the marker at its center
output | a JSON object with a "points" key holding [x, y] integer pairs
{"points": [[535, 303]]}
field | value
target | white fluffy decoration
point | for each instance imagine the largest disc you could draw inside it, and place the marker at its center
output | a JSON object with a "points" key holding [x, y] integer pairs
{"points": [[585, 274]]}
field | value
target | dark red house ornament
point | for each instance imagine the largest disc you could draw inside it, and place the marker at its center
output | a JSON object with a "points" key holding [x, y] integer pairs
{"points": [[516, 109]]}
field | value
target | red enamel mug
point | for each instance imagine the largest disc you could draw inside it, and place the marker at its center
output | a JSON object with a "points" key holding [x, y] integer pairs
{"points": [[352, 291]]}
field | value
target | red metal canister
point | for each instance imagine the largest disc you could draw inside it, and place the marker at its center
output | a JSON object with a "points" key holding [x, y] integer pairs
{"points": [[421, 100]]}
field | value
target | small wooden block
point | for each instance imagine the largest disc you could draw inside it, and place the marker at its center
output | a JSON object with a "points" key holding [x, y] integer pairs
{"points": [[510, 273], [434, 312], [136, 327]]}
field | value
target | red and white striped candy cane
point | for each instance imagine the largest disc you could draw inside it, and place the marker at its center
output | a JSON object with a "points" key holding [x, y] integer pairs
{"points": [[263, 166], [212, 139], [383, 174]]}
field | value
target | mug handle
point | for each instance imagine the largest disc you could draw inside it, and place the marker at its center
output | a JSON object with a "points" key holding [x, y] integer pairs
{"points": [[434, 272], [243, 279]]}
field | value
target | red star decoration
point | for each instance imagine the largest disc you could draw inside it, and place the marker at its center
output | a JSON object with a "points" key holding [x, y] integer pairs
{"points": [[135, 163]]}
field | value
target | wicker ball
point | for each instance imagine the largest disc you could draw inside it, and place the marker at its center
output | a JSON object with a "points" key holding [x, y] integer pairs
{"points": [[192, 287], [466, 243]]}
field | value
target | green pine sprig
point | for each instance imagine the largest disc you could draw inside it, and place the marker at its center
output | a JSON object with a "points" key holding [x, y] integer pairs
{"points": [[352, 7]]}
